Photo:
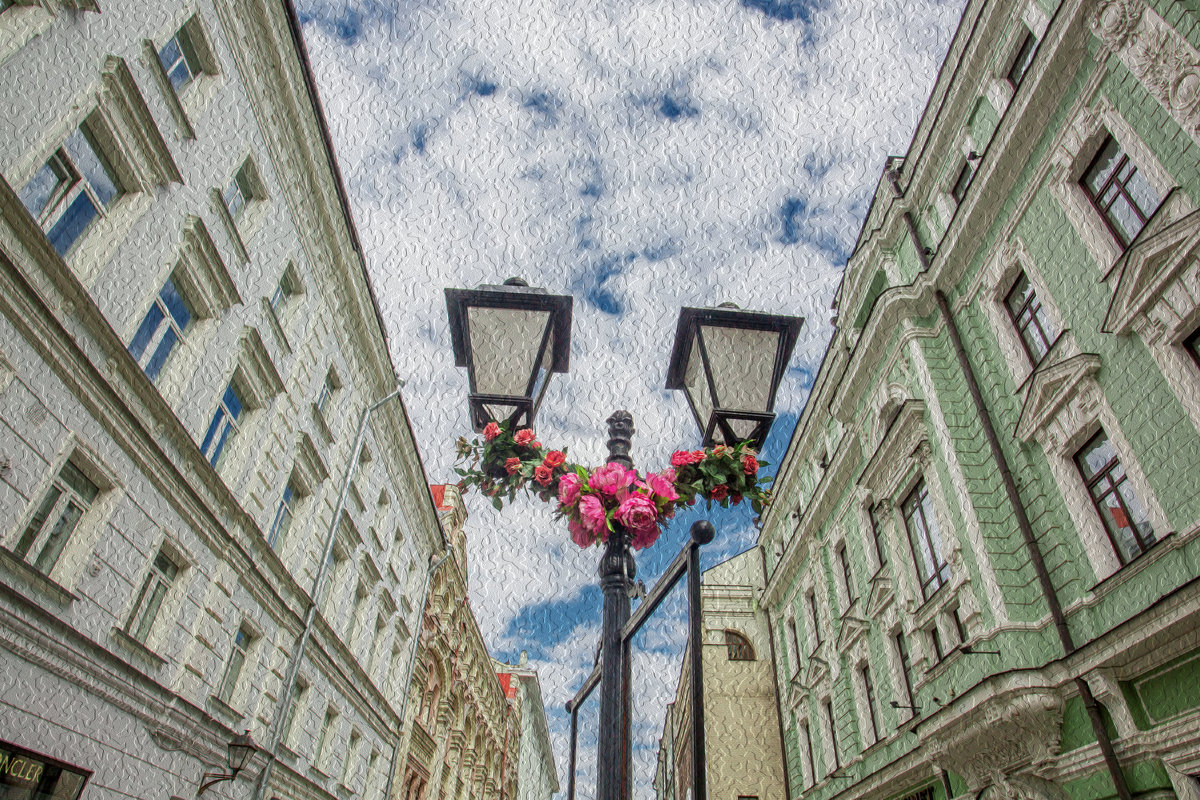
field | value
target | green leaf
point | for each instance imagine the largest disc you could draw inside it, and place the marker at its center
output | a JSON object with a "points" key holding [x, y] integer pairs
{"points": [[497, 503]]}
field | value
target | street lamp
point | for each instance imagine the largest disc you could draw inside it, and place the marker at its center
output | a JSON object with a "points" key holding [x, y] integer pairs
{"points": [[729, 363], [241, 750], [511, 337]]}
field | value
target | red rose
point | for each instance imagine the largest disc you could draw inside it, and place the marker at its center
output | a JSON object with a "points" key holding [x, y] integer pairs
{"points": [[535, 444], [524, 436], [719, 492], [697, 456], [542, 474], [513, 465], [555, 458], [749, 465], [735, 498], [491, 431]]}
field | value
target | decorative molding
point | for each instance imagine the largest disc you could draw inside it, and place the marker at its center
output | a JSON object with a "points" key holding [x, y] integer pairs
{"points": [[900, 444], [263, 381], [207, 282], [1053, 386], [1169, 243], [235, 238], [124, 108], [1157, 55]]}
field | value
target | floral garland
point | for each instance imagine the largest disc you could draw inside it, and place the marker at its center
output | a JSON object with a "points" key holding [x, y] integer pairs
{"points": [[593, 500]]}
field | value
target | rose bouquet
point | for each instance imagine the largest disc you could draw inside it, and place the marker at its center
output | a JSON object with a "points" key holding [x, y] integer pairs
{"points": [[593, 501]]}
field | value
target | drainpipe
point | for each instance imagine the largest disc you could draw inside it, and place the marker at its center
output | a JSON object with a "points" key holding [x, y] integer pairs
{"points": [[1014, 498], [412, 661], [787, 781], [285, 695]]}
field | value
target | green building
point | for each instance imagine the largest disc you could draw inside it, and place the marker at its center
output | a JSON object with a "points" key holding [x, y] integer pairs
{"points": [[982, 562]]}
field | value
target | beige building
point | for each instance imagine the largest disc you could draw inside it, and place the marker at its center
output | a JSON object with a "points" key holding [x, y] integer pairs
{"points": [[741, 722], [537, 777], [188, 342], [463, 727]]}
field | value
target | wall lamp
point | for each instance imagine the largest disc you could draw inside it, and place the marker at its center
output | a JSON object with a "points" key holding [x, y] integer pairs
{"points": [[241, 750]]}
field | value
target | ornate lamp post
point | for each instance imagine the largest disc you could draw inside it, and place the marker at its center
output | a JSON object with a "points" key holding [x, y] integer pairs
{"points": [[730, 362]]}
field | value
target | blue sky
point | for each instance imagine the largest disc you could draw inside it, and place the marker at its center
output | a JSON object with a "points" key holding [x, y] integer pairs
{"points": [[641, 155]]}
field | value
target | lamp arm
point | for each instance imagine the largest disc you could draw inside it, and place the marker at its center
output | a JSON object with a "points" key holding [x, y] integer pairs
{"points": [[211, 779]]}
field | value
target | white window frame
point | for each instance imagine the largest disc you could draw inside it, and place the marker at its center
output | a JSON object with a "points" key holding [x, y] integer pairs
{"points": [[168, 324], [68, 565], [285, 513], [297, 707], [227, 421], [238, 664], [161, 576], [322, 752]]}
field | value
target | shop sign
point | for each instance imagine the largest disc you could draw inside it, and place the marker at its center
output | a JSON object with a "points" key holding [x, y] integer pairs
{"points": [[26, 775]]}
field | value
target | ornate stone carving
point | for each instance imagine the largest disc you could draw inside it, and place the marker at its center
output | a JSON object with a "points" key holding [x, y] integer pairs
{"points": [[1116, 21]]}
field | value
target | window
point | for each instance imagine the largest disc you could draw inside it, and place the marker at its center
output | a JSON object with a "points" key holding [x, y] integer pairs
{"points": [[224, 424], [328, 387], [380, 630], [75, 186], [935, 642], [877, 537], [1119, 191], [833, 741], [1020, 63], [321, 755], [806, 740], [360, 596], [847, 577], [738, 647], [1192, 345], [180, 59], [1030, 319], [905, 669], [237, 659], [161, 329], [960, 627], [1119, 508], [69, 496], [283, 515], [351, 757], [285, 290], [814, 624], [154, 590], [289, 717], [794, 641], [864, 672], [926, 539], [963, 182], [239, 192]]}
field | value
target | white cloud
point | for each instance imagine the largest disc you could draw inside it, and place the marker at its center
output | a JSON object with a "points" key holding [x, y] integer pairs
{"points": [[573, 163]]}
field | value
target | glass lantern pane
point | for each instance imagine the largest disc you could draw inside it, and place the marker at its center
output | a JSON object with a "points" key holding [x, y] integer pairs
{"points": [[504, 347], [742, 428], [742, 363], [696, 384]]}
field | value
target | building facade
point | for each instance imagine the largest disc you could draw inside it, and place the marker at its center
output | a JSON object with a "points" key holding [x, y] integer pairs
{"points": [[188, 343], [537, 776], [463, 725], [982, 560], [743, 752]]}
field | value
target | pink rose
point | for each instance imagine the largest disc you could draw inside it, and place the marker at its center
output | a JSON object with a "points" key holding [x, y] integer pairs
{"points": [[682, 458], [749, 465], [579, 534], [611, 478], [644, 538], [568, 489], [637, 512], [555, 458], [491, 431], [719, 492], [524, 436], [591, 513], [663, 484], [512, 466], [542, 474]]}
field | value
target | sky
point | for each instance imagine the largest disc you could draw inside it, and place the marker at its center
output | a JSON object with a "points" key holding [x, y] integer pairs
{"points": [[641, 156]]}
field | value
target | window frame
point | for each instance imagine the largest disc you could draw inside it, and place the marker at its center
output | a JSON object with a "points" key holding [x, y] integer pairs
{"points": [[67, 497], [142, 620], [738, 646], [1102, 475], [831, 723], [814, 621], [940, 573], [904, 662], [233, 422], [231, 676], [1031, 41], [809, 755], [1034, 306], [962, 181], [847, 576], [1096, 199], [168, 321], [864, 675], [285, 513]]}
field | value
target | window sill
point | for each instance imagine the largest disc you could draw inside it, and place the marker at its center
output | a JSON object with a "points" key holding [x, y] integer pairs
{"points": [[223, 709], [36, 579], [134, 646], [1149, 556], [289, 755]]}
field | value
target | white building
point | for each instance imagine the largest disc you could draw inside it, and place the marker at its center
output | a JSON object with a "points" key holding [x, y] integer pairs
{"points": [[188, 341]]}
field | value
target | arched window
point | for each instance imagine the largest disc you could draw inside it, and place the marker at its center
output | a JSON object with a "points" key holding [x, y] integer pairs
{"points": [[738, 646]]}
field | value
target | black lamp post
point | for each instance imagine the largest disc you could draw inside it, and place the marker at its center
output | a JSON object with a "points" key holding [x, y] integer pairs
{"points": [[730, 362], [241, 750]]}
